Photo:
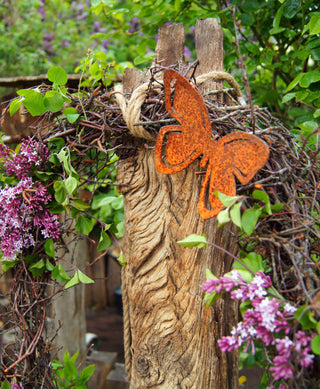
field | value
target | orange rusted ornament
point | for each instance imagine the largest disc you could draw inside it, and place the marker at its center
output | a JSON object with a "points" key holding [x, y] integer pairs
{"points": [[237, 154]]}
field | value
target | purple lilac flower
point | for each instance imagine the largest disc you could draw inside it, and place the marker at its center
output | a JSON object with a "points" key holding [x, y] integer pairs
{"points": [[31, 153], [262, 322], [134, 23], [42, 12], [48, 38], [23, 207], [187, 53], [65, 43], [226, 282], [105, 44], [98, 28]]}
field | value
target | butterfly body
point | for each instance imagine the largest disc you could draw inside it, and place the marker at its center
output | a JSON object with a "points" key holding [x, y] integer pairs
{"points": [[238, 155]]}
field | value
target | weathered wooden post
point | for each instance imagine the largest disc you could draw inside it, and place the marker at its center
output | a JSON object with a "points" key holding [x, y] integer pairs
{"points": [[170, 337]]}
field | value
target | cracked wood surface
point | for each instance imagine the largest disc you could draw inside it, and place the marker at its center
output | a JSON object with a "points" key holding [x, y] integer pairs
{"points": [[173, 337]]}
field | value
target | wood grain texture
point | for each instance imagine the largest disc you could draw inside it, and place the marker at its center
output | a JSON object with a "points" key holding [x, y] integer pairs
{"points": [[209, 49], [170, 45], [172, 336]]}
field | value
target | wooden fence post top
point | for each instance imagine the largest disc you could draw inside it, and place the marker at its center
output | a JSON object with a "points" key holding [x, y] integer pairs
{"points": [[170, 45]]}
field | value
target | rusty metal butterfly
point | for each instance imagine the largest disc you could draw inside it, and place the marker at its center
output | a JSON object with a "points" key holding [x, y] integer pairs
{"points": [[238, 155]]}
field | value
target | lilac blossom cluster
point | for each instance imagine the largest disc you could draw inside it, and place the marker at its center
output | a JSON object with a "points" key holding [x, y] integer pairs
{"points": [[266, 321], [31, 153], [23, 206]]}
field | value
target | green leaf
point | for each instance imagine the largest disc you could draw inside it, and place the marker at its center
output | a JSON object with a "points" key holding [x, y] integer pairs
{"points": [[140, 59], [44, 176], [7, 264], [100, 56], [251, 5], [86, 373], [71, 114], [57, 75], [308, 126], [291, 7], [37, 268], [277, 207], [34, 103], [30, 258], [249, 220], [49, 248], [277, 18], [15, 105], [210, 298], [71, 184], [194, 240], [141, 48], [64, 158], [53, 101], [210, 275], [316, 113], [309, 78], [60, 191], [315, 345], [25, 92], [84, 225], [246, 19], [56, 364], [227, 201], [314, 25], [117, 203], [122, 260], [5, 385], [245, 274], [74, 356], [81, 205], [288, 97], [253, 261], [56, 208], [223, 217], [316, 53], [294, 82], [276, 30], [59, 274], [104, 242], [84, 278], [66, 357], [250, 361], [70, 370], [260, 195], [120, 229], [73, 281], [235, 214], [305, 318], [49, 266], [57, 142]]}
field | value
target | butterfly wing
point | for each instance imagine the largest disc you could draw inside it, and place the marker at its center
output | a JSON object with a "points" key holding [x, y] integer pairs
{"points": [[181, 145], [244, 154], [238, 154]]}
